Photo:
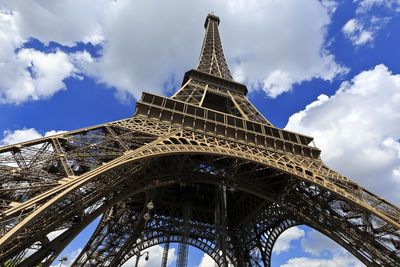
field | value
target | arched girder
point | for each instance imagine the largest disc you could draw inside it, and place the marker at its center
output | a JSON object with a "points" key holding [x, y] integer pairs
{"points": [[270, 224], [157, 149], [269, 236], [257, 237], [201, 245], [99, 252], [269, 158]]}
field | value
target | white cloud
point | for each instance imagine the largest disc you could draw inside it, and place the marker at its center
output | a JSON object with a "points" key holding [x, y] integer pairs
{"points": [[206, 261], [155, 257], [53, 132], [325, 252], [353, 30], [18, 136], [265, 56], [366, 5], [358, 130], [37, 75], [277, 83], [361, 32], [316, 243], [28, 74], [64, 22], [146, 48], [284, 240], [343, 259], [365, 26], [331, 5]]}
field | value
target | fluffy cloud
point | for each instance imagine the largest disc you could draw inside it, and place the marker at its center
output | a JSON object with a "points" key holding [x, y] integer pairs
{"points": [[324, 251], [286, 44], [354, 30], [358, 130], [206, 261], [363, 29], [265, 55], [284, 240], [366, 5], [64, 22], [318, 244], [360, 32], [133, 58], [146, 48], [339, 260], [28, 74], [331, 5], [18, 136]]}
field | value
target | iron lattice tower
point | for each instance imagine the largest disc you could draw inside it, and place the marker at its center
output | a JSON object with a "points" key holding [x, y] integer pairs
{"points": [[220, 177]]}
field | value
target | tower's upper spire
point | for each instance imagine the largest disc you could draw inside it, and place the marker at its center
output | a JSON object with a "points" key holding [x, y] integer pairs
{"points": [[212, 59]]}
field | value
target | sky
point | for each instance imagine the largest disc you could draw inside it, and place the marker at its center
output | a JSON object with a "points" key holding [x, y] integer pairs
{"points": [[329, 69]]}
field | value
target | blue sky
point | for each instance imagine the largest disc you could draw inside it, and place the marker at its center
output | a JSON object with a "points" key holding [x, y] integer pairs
{"points": [[329, 69]]}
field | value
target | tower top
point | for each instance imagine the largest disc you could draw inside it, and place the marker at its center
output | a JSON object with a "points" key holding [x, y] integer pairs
{"points": [[212, 59], [211, 17]]}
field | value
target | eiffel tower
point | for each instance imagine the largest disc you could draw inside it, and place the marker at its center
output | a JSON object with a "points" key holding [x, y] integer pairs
{"points": [[202, 168]]}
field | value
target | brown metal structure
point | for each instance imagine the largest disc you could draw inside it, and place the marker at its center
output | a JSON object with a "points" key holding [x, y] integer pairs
{"points": [[220, 177]]}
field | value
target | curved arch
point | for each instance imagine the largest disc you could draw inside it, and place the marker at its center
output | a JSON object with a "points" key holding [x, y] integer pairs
{"points": [[201, 245], [272, 235], [319, 230], [113, 226], [153, 151], [269, 158]]}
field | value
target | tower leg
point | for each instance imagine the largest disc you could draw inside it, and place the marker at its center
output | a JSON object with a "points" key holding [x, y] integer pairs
{"points": [[102, 246], [54, 247], [183, 248], [221, 221], [183, 251], [165, 255]]}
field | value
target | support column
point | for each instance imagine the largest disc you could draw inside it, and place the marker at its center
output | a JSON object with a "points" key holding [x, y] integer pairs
{"points": [[165, 255], [221, 217], [183, 248]]}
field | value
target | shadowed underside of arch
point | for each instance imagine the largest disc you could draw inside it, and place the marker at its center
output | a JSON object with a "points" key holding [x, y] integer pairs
{"points": [[220, 176], [260, 187]]}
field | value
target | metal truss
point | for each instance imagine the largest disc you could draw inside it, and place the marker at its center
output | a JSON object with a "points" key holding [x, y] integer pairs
{"points": [[212, 59], [184, 154]]}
